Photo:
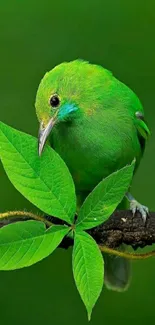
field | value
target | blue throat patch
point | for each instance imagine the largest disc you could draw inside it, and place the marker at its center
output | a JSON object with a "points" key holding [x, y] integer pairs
{"points": [[65, 110]]}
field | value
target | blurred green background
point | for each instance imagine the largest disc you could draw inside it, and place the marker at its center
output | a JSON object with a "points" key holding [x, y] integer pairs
{"points": [[34, 37]]}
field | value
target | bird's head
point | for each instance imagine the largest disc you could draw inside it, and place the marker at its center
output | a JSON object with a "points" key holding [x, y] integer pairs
{"points": [[66, 93]]}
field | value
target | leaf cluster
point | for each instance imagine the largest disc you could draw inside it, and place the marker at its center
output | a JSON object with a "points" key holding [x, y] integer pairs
{"points": [[47, 183]]}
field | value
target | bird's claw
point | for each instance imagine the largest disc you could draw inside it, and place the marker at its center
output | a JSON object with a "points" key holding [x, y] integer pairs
{"points": [[136, 206]]}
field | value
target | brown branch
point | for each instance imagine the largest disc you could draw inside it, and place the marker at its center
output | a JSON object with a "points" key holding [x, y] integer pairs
{"points": [[123, 228]]}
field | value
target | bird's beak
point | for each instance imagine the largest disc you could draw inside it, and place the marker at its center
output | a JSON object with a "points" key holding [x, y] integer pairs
{"points": [[43, 134]]}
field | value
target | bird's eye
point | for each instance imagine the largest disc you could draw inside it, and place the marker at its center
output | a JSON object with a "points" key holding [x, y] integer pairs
{"points": [[54, 101]]}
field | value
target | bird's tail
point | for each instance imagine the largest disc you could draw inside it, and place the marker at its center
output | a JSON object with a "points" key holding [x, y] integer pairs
{"points": [[117, 269], [117, 272]]}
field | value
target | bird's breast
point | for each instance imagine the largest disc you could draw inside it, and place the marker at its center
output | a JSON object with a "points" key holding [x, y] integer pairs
{"points": [[92, 151]]}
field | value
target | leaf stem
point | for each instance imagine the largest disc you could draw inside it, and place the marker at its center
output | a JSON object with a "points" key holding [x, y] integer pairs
{"points": [[31, 215], [127, 255]]}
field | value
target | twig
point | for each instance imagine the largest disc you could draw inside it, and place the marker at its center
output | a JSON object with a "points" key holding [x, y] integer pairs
{"points": [[22, 215], [130, 256]]}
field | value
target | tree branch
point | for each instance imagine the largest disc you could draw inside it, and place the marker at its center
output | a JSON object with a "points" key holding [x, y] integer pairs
{"points": [[123, 228]]}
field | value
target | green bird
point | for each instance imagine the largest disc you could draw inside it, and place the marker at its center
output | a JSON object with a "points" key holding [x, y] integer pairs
{"points": [[96, 124]]}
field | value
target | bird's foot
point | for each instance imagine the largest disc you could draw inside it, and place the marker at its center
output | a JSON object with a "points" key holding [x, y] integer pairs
{"points": [[136, 206]]}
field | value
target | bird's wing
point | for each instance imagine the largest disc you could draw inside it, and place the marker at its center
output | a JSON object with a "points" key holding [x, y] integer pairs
{"points": [[142, 128]]}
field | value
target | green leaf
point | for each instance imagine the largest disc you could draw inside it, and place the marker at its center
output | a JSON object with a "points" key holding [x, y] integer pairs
{"points": [[45, 181], [88, 269], [25, 243], [104, 199]]}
